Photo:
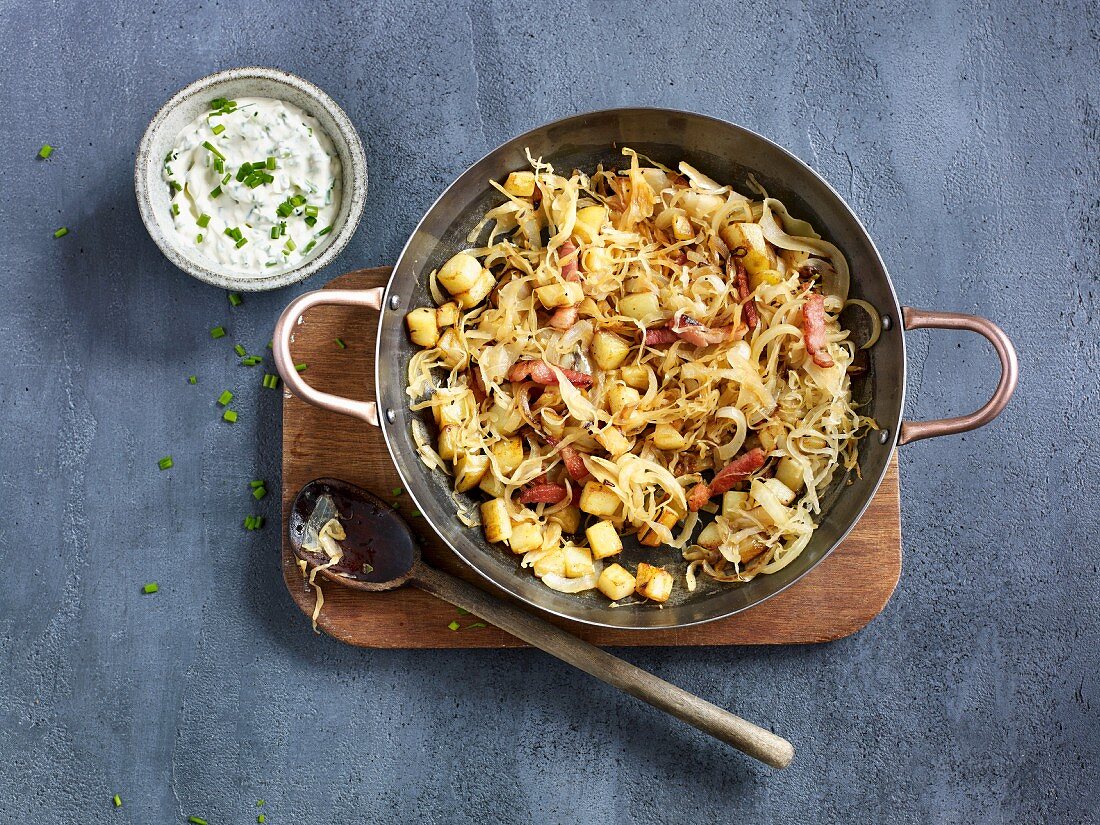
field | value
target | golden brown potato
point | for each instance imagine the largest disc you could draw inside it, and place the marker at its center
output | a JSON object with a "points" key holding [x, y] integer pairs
{"points": [[615, 582], [495, 521], [460, 273], [603, 539], [654, 583]]}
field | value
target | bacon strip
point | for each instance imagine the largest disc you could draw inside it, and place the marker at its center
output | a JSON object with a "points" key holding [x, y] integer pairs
{"points": [[737, 470], [564, 317], [689, 330], [574, 464], [659, 336], [741, 280], [543, 494], [813, 329], [539, 371]]}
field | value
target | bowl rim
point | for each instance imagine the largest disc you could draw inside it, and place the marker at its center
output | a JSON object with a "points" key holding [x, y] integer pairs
{"points": [[354, 159]]}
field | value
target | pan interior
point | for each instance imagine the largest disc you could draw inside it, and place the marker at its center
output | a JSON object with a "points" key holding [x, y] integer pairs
{"points": [[728, 154]]}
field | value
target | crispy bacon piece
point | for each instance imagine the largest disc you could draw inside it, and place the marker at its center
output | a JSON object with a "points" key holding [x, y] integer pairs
{"points": [[737, 470], [689, 330], [659, 336], [564, 317], [574, 464], [741, 280], [813, 329], [543, 494], [539, 371]]}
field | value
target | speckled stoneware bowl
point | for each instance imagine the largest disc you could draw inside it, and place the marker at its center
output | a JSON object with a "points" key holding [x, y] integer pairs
{"points": [[186, 105]]}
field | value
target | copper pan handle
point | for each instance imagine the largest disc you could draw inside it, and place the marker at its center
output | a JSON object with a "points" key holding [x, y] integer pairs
{"points": [[284, 334], [929, 319]]}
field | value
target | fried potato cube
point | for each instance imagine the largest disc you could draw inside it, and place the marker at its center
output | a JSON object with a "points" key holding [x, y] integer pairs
{"points": [[493, 486], [447, 315], [590, 221], [603, 539], [423, 328], [681, 228], [635, 376], [613, 440], [759, 256], [781, 491], [641, 306], [553, 296], [526, 536], [520, 184], [598, 500], [710, 536], [569, 518], [769, 503], [447, 446], [654, 583], [649, 538], [460, 273], [478, 292], [789, 472], [552, 561], [667, 437], [457, 411], [454, 354], [509, 454], [495, 520], [578, 561], [615, 582], [608, 349], [734, 502], [620, 397], [470, 468], [597, 260]]}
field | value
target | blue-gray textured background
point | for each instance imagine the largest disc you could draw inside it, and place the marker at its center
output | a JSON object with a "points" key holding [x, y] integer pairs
{"points": [[968, 139]]}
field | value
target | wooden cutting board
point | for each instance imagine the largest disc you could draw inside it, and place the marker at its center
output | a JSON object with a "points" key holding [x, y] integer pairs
{"points": [[837, 598]]}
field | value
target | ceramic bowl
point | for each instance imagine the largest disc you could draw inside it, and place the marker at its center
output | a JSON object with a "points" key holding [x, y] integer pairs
{"points": [[186, 105]]}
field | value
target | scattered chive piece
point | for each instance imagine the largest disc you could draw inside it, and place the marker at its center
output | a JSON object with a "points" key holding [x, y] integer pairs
{"points": [[166, 463], [235, 299], [62, 232], [226, 179], [216, 192], [117, 800], [453, 626], [309, 246], [301, 367], [44, 153], [270, 161], [397, 491], [225, 398], [230, 416], [198, 238], [237, 348], [275, 231], [210, 146], [462, 611], [271, 381], [217, 332], [269, 343], [241, 242], [218, 129], [324, 231], [311, 211], [151, 587], [175, 208], [219, 166], [340, 343], [290, 246], [260, 818], [259, 493], [256, 483], [203, 220], [252, 360], [475, 624], [259, 803], [197, 820], [310, 221], [192, 379]]}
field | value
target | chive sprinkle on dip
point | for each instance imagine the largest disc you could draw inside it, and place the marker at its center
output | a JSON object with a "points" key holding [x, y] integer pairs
{"points": [[254, 185]]}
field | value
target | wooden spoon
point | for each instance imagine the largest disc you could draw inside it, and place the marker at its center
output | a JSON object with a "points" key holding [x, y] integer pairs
{"points": [[382, 553]]}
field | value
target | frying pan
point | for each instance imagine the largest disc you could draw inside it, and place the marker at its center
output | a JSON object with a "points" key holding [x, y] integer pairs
{"points": [[729, 154]]}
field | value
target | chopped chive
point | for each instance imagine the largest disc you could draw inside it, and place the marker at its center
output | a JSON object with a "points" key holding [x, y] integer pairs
{"points": [[276, 230], [117, 800], [453, 626], [166, 463], [312, 211], [225, 397], [252, 360], [462, 611], [398, 491], [269, 344], [173, 188], [259, 493], [244, 170], [216, 192], [271, 381], [203, 220], [219, 165], [249, 522], [218, 129], [309, 246], [230, 416], [474, 625], [290, 246], [192, 379], [47, 150], [62, 232], [235, 299], [297, 200], [259, 803], [340, 343], [270, 161], [241, 242], [324, 231], [301, 367], [261, 819], [256, 483], [310, 221], [237, 348], [198, 238], [197, 820], [175, 208], [151, 587], [217, 332], [210, 146], [228, 177]]}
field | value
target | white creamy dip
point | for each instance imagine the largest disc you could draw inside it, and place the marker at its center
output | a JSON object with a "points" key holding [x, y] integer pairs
{"points": [[255, 185]]}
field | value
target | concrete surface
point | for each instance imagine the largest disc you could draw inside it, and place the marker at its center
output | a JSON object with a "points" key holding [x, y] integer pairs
{"points": [[967, 139]]}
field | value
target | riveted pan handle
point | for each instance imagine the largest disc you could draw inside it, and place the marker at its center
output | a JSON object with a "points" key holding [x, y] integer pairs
{"points": [[929, 319], [284, 333]]}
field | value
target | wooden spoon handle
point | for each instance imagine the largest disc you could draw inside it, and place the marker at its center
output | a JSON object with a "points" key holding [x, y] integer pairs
{"points": [[744, 735]]}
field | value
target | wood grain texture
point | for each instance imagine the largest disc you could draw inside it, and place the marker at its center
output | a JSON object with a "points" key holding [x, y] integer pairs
{"points": [[840, 596]]}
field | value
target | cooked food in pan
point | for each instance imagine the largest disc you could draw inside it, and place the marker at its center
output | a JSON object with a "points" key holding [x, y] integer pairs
{"points": [[638, 352]]}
